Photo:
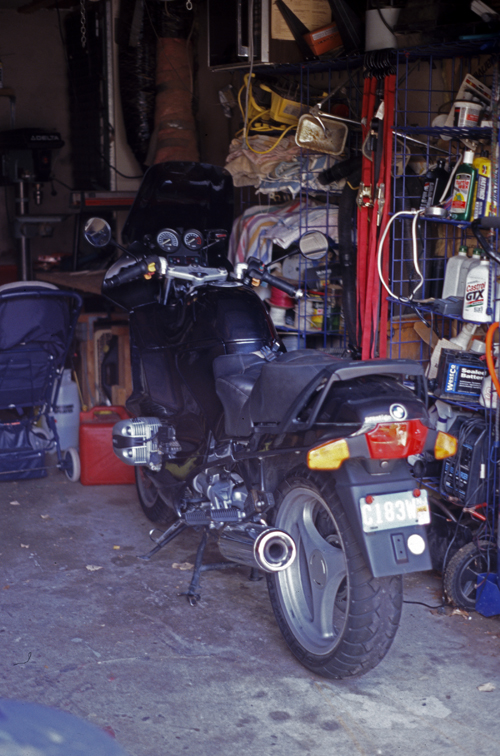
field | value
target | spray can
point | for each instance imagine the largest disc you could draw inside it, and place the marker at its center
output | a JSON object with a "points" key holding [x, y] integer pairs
{"points": [[482, 192], [435, 184], [477, 294], [463, 189], [453, 271]]}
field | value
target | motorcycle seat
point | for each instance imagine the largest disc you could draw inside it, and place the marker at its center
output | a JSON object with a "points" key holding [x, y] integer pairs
{"points": [[254, 391], [281, 381]]}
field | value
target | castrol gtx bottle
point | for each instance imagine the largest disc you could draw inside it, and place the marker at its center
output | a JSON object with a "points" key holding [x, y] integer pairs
{"points": [[476, 307]]}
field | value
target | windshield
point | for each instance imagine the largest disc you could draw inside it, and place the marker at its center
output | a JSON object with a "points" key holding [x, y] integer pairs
{"points": [[181, 196]]}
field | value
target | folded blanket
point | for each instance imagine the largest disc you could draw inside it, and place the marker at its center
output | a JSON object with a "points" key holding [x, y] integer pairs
{"points": [[255, 232]]}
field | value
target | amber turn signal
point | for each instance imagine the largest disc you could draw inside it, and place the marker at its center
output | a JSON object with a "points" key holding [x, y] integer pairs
{"points": [[445, 445], [328, 456]]}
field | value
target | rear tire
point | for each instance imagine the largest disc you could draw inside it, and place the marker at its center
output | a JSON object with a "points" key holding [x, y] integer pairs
{"points": [[337, 619], [153, 505]]}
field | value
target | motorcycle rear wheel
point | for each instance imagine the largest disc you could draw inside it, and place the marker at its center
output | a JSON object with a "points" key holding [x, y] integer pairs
{"points": [[336, 618], [152, 503]]}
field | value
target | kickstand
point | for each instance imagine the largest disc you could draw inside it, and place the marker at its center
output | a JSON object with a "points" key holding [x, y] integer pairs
{"points": [[171, 533], [192, 595]]}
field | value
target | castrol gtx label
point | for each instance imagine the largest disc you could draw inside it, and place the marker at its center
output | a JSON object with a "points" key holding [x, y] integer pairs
{"points": [[475, 297]]}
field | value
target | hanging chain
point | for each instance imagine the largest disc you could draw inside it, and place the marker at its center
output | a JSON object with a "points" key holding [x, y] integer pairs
{"points": [[83, 24], [189, 5]]}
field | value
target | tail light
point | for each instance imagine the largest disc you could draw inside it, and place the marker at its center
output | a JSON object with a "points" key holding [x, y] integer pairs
{"points": [[396, 440], [384, 441]]}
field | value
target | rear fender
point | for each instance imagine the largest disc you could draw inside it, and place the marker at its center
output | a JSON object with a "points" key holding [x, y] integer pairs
{"points": [[385, 551]]}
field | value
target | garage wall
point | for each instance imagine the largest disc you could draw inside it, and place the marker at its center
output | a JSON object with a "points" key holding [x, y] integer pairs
{"points": [[33, 63]]}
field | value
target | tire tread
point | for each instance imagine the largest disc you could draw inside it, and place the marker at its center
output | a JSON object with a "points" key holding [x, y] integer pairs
{"points": [[375, 603]]}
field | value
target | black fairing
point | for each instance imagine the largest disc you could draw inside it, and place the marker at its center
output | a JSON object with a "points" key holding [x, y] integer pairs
{"points": [[181, 195]]}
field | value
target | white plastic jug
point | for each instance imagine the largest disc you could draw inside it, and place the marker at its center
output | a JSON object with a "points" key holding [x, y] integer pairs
{"points": [[452, 275], [67, 412]]}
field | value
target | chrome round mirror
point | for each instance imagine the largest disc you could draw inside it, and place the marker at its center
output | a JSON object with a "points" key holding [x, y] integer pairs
{"points": [[97, 232], [313, 245]]}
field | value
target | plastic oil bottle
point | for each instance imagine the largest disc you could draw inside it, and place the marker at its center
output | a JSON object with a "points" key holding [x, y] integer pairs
{"points": [[477, 294], [463, 189], [453, 273], [467, 266], [464, 269]]}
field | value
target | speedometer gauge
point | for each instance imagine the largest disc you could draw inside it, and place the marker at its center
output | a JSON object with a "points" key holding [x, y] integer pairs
{"points": [[193, 239], [168, 240]]}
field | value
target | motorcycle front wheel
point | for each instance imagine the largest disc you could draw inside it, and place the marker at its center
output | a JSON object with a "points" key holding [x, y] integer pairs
{"points": [[152, 503], [336, 618]]}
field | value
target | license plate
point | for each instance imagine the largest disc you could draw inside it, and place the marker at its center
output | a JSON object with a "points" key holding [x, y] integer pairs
{"points": [[395, 510]]}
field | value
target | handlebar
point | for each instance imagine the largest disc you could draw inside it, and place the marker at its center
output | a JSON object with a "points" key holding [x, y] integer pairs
{"points": [[152, 264], [256, 269]]}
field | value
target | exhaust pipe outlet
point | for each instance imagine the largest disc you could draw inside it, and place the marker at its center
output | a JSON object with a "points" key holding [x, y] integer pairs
{"points": [[260, 546]]}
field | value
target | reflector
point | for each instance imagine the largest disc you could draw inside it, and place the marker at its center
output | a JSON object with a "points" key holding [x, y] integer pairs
{"points": [[328, 456], [445, 446]]}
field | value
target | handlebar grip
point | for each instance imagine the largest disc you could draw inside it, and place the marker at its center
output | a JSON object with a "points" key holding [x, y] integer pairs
{"points": [[490, 221], [128, 274], [279, 283]]}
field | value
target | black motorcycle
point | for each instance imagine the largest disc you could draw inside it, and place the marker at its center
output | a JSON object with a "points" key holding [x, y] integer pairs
{"points": [[295, 462]]}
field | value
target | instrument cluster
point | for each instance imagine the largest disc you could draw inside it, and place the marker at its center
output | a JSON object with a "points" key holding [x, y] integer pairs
{"points": [[172, 242]]}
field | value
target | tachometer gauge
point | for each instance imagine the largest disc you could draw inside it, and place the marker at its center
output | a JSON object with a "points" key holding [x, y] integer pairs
{"points": [[168, 240], [193, 239]]}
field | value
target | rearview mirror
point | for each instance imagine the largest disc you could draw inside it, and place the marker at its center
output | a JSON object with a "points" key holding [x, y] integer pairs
{"points": [[97, 232], [313, 245]]}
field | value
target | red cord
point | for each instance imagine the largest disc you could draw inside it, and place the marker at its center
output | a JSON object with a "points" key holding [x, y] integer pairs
{"points": [[489, 356]]}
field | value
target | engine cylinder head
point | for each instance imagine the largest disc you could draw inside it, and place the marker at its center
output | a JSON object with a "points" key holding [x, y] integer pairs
{"points": [[135, 441]]}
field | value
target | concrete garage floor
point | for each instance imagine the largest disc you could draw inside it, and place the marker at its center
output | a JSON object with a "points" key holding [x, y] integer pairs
{"points": [[88, 628]]}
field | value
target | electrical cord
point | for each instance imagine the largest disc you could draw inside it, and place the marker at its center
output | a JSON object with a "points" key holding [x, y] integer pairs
{"points": [[422, 603], [415, 214]]}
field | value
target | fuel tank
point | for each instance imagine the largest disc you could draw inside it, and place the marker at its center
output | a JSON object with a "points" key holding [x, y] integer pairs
{"points": [[177, 343]]}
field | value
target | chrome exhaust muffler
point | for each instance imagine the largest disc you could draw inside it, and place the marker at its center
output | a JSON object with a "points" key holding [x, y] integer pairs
{"points": [[258, 546]]}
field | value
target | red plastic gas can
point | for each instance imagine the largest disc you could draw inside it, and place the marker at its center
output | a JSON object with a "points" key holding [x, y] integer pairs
{"points": [[100, 465]]}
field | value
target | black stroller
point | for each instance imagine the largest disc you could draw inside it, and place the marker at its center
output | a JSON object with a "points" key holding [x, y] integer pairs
{"points": [[37, 325]]}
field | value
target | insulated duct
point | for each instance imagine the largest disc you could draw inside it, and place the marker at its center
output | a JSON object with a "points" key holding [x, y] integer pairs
{"points": [[175, 127]]}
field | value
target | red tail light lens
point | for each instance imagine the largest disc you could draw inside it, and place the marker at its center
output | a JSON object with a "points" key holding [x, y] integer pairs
{"points": [[396, 440]]}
